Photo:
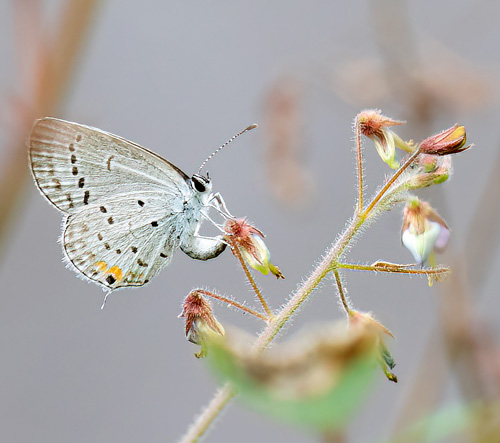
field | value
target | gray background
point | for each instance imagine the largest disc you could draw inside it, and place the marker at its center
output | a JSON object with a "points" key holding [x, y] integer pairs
{"points": [[181, 78]]}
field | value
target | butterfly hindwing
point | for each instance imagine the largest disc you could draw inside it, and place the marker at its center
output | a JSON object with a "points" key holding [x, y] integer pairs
{"points": [[123, 241], [76, 165]]}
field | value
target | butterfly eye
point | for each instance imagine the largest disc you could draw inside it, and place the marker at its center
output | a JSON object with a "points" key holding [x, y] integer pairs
{"points": [[200, 183]]}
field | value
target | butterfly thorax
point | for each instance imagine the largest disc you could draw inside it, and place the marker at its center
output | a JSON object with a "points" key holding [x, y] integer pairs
{"points": [[196, 208]]}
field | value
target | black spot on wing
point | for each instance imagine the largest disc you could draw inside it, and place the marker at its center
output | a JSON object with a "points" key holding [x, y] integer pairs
{"points": [[109, 162], [86, 197]]}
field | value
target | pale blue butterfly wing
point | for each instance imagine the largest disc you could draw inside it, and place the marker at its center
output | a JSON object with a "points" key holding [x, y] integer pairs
{"points": [[76, 165], [126, 206]]}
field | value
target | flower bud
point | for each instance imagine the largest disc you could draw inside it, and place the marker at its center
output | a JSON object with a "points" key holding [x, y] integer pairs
{"points": [[365, 321], [423, 230], [432, 170], [201, 324], [450, 141], [249, 241], [375, 126]]}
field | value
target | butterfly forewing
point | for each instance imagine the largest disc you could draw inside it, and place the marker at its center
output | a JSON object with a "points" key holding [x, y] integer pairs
{"points": [[76, 165]]}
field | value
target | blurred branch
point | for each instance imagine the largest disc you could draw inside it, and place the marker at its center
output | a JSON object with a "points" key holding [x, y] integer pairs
{"points": [[473, 353], [45, 65]]}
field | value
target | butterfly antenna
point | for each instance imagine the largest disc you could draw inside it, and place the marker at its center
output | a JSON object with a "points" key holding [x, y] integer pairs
{"points": [[249, 128]]}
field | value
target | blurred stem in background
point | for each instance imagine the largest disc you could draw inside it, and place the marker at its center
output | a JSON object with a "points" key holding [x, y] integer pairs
{"points": [[47, 56], [471, 352]]}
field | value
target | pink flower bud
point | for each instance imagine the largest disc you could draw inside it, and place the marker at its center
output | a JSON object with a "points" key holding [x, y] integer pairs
{"points": [[200, 321], [375, 126], [450, 141], [249, 241]]}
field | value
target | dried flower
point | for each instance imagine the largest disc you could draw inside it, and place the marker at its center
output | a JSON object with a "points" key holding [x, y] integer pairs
{"points": [[374, 125], [201, 324], [249, 241], [365, 321], [450, 141], [423, 229]]}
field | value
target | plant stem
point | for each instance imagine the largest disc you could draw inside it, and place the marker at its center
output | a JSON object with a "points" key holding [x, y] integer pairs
{"points": [[205, 419], [391, 181], [395, 268], [327, 264], [359, 164], [276, 323], [341, 291], [256, 289], [233, 303]]}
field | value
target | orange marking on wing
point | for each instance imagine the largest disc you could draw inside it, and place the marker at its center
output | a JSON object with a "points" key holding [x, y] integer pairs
{"points": [[102, 266], [117, 272]]}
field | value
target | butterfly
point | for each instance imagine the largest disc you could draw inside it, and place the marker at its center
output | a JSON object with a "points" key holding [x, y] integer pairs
{"points": [[127, 210]]}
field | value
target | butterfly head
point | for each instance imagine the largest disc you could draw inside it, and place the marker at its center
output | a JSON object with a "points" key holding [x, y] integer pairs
{"points": [[201, 184]]}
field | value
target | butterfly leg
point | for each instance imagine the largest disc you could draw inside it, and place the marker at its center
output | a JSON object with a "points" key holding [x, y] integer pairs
{"points": [[106, 298], [217, 198]]}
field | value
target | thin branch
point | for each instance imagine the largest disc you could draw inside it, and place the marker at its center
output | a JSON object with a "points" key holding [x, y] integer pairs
{"points": [[359, 164], [49, 67], [390, 182], [345, 304], [205, 419], [233, 303], [395, 268], [310, 284], [256, 289]]}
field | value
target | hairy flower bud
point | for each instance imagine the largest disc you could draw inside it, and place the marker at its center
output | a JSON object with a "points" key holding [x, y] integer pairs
{"points": [[200, 321], [431, 170], [365, 321], [374, 125], [450, 141], [423, 229], [249, 241]]}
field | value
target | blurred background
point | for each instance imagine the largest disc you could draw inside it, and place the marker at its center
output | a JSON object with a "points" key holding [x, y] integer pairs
{"points": [[182, 77]]}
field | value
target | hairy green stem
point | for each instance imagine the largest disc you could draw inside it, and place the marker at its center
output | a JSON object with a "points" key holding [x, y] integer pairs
{"points": [[342, 296], [208, 415], [401, 269], [392, 180], [233, 303], [256, 289], [359, 164]]}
